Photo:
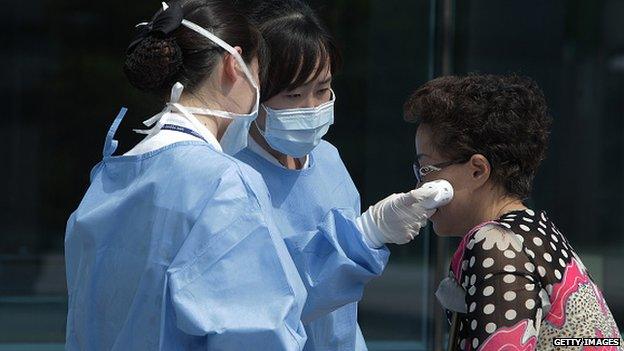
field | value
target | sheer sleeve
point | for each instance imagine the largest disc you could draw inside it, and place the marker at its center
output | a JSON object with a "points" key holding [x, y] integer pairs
{"points": [[502, 292]]}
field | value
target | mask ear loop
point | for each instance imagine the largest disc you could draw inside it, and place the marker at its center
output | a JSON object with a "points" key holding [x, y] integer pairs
{"points": [[266, 119], [229, 49], [255, 122]]}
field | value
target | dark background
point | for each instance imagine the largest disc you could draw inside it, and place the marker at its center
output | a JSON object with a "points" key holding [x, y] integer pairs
{"points": [[63, 85]]}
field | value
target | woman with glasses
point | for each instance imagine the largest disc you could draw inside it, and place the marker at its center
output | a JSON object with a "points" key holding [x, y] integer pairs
{"points": [[515, 282]]}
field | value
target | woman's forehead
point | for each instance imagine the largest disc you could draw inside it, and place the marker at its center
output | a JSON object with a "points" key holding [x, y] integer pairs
{"points": [[425, 149], [423, 138]]}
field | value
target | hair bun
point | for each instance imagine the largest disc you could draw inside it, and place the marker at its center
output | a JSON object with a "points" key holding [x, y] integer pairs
{"points": [[154, 63]]}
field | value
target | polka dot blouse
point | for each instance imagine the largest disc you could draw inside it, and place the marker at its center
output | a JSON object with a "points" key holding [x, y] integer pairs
{"points": [[519, 284]]}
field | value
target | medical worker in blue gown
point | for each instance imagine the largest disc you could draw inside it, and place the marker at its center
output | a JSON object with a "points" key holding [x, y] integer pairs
{"points": [[172, 246], [317, 207]]}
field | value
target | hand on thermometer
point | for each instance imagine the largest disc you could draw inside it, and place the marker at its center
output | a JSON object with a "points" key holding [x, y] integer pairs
{"points": [[398, 218]]}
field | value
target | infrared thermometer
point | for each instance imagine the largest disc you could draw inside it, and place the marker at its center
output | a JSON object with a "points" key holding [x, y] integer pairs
{"points": [[441, 194]]}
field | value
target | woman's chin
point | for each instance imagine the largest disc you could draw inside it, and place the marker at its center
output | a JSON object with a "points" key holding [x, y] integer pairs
{"points": [[436, 228], [441, 230]]}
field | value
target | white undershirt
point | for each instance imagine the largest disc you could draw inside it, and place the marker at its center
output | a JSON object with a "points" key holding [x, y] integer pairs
{"points": [[166, 137]]}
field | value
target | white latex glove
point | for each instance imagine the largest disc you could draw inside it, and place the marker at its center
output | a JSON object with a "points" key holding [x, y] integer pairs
{"points": [[398, 218]]}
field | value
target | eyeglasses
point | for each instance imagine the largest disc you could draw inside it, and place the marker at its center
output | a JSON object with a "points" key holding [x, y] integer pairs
{"points": [[421, 171]]}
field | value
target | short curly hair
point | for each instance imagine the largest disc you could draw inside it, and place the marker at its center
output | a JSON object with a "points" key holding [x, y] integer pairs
{"points": [[503, 117]]}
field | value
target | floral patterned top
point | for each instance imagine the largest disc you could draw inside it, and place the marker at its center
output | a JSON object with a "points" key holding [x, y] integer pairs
{"points": [[517, 284]]}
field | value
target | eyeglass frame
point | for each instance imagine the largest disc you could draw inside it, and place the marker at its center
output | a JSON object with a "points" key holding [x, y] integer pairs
{"points": [[421, 171]]}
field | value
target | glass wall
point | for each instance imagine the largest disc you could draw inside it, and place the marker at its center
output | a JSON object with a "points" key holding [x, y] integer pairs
{"points": [[575, 51], [386, 47]]}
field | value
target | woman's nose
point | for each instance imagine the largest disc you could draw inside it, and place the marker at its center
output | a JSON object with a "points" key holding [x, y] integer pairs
{"points": [[309, 102]]}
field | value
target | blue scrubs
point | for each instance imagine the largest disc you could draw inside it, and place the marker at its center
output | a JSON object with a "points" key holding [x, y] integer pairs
{"points": [[314, 211], [175, 249]]}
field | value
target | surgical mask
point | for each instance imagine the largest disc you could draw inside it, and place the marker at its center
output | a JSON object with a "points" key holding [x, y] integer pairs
{"points": [[236, 135], [297, 131]]}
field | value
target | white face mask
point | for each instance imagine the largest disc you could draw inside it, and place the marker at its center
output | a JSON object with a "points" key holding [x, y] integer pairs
{"points": [[297, 131], [235, 137]]}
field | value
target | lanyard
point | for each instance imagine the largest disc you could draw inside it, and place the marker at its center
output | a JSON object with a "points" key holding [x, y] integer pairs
{"points": [[181, 129]]}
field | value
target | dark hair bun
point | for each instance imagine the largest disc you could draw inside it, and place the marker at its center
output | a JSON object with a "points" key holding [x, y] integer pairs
{"points": [[153, 65]]}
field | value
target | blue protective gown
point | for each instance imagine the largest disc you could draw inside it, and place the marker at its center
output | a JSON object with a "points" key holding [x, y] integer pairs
{"points": [[314, 211], [175, 249]]}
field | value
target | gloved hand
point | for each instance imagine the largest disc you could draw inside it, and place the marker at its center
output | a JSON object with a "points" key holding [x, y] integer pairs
{"points": [[398, 218]]}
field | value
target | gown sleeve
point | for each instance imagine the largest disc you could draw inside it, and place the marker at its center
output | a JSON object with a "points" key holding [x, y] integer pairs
{"points": [[335, 263]]}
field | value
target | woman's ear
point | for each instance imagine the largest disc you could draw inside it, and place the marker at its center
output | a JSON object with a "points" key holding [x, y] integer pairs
{"points": [[480, 169], [230, 65]]}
